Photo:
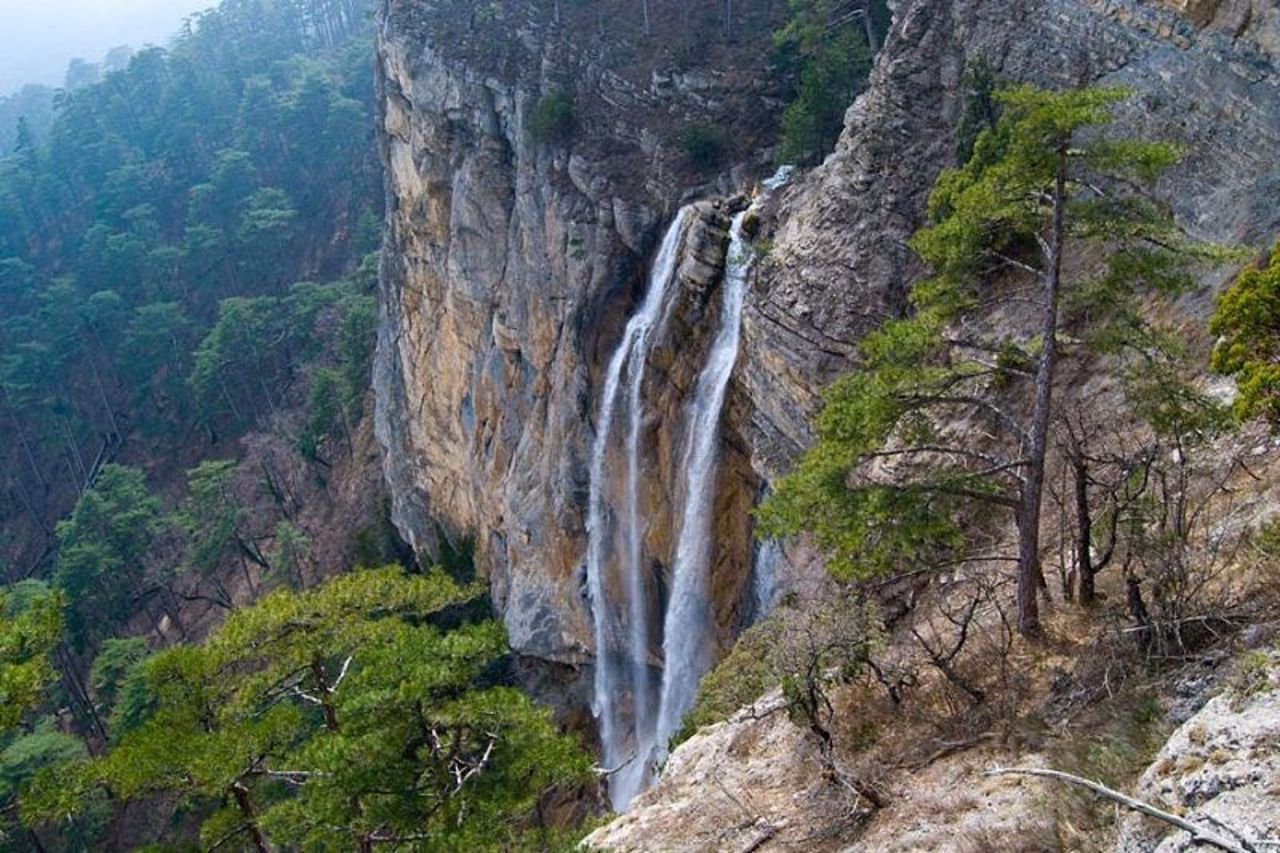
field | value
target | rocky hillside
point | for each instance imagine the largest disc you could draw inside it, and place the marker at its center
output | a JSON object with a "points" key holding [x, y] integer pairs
{"points": [[1206, 75], [515, 261]]}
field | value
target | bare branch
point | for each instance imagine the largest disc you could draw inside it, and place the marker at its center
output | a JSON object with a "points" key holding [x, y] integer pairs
{"points": [[1199, 834], [346, 664]]}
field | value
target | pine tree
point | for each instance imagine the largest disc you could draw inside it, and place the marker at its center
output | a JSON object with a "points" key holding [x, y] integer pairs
{"points": [[1247, 322], [339, 718], [947, 425], [30, 627]]}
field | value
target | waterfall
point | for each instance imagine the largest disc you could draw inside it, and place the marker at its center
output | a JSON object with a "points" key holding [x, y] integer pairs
{"points": [[764, 579], [633, 747], [687, 626], [617, 673]]}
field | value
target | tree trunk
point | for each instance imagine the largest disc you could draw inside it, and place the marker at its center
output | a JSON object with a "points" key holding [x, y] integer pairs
{"points": [[78, 692], [325, 689], [22, 438], [245, 804], [869, 25], [1084, 532], [1033, 490]]}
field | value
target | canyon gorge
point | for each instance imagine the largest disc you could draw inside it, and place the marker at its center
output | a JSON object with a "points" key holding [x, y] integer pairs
{"points": [[544, 370]]}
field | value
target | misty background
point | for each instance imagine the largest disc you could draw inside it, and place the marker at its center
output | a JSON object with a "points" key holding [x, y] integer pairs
{"points": [[38, 39]]}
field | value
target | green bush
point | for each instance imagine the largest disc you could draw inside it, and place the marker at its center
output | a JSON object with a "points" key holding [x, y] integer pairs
{"points": [[981, 107], [742, 677], [554, 119], [806, 648], [1244, 323], [705, 145], [830, 63]]}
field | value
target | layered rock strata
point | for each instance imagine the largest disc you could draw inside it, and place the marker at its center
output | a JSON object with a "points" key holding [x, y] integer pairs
{"points": [[512, 264]]}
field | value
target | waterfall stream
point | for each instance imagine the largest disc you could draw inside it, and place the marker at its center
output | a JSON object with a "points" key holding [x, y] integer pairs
{"points": [[688, 619], [633, 746], [615, 674]]}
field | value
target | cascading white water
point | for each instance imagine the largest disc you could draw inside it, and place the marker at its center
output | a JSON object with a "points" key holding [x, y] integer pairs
{"points": [[764, 579], [626, 669], [687, 625], [632, 752]]}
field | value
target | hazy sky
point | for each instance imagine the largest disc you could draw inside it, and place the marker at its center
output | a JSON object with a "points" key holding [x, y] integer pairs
{"points": [[39, 37]]}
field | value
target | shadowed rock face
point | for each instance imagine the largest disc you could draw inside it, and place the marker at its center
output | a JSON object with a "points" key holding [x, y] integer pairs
{"points": [[511, 266]]}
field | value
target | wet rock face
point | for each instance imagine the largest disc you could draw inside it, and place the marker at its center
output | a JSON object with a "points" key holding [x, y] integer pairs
{"points": [[511, 267]]}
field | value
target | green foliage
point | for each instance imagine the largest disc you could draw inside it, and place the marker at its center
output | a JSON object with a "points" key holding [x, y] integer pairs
{"points": [[116, 661], [220, 169], [134, 700], [30, 626], [101, 550], [212, 516], [327, 412], [554, 119], [1247, 323], [741, 678], [341, 714], [897, 480], [27, 753], [705, 145], [826, 48], [26, 756], [288, 556], [241, 361], [873, 527], [335, 399], [804, 649], [981, 107]]}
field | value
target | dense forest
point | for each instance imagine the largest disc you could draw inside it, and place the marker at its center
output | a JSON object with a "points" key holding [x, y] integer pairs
{"points": [[167, 205], [188, 240]]}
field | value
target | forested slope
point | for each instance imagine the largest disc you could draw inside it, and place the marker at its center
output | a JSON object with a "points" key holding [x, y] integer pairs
{"points": [[230, 167]]}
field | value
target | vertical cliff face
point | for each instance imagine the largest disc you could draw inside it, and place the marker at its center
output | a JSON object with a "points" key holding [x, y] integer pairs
{"points": [[511, 266], [1205, 74]]}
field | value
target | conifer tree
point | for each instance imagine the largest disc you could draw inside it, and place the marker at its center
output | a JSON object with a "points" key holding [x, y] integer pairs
{"points": [[343, 718], [1247, 321], [947, 423]]}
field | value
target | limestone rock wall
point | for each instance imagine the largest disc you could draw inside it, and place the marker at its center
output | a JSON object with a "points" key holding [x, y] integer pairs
{"points": [[1220, 768], [1206, 77], [511, 267]]}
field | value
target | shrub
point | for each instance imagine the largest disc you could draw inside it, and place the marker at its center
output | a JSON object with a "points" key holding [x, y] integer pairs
{"points": [[831, 64], [554, 119], [806, 648], [705, 145], [1245, 322]]}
